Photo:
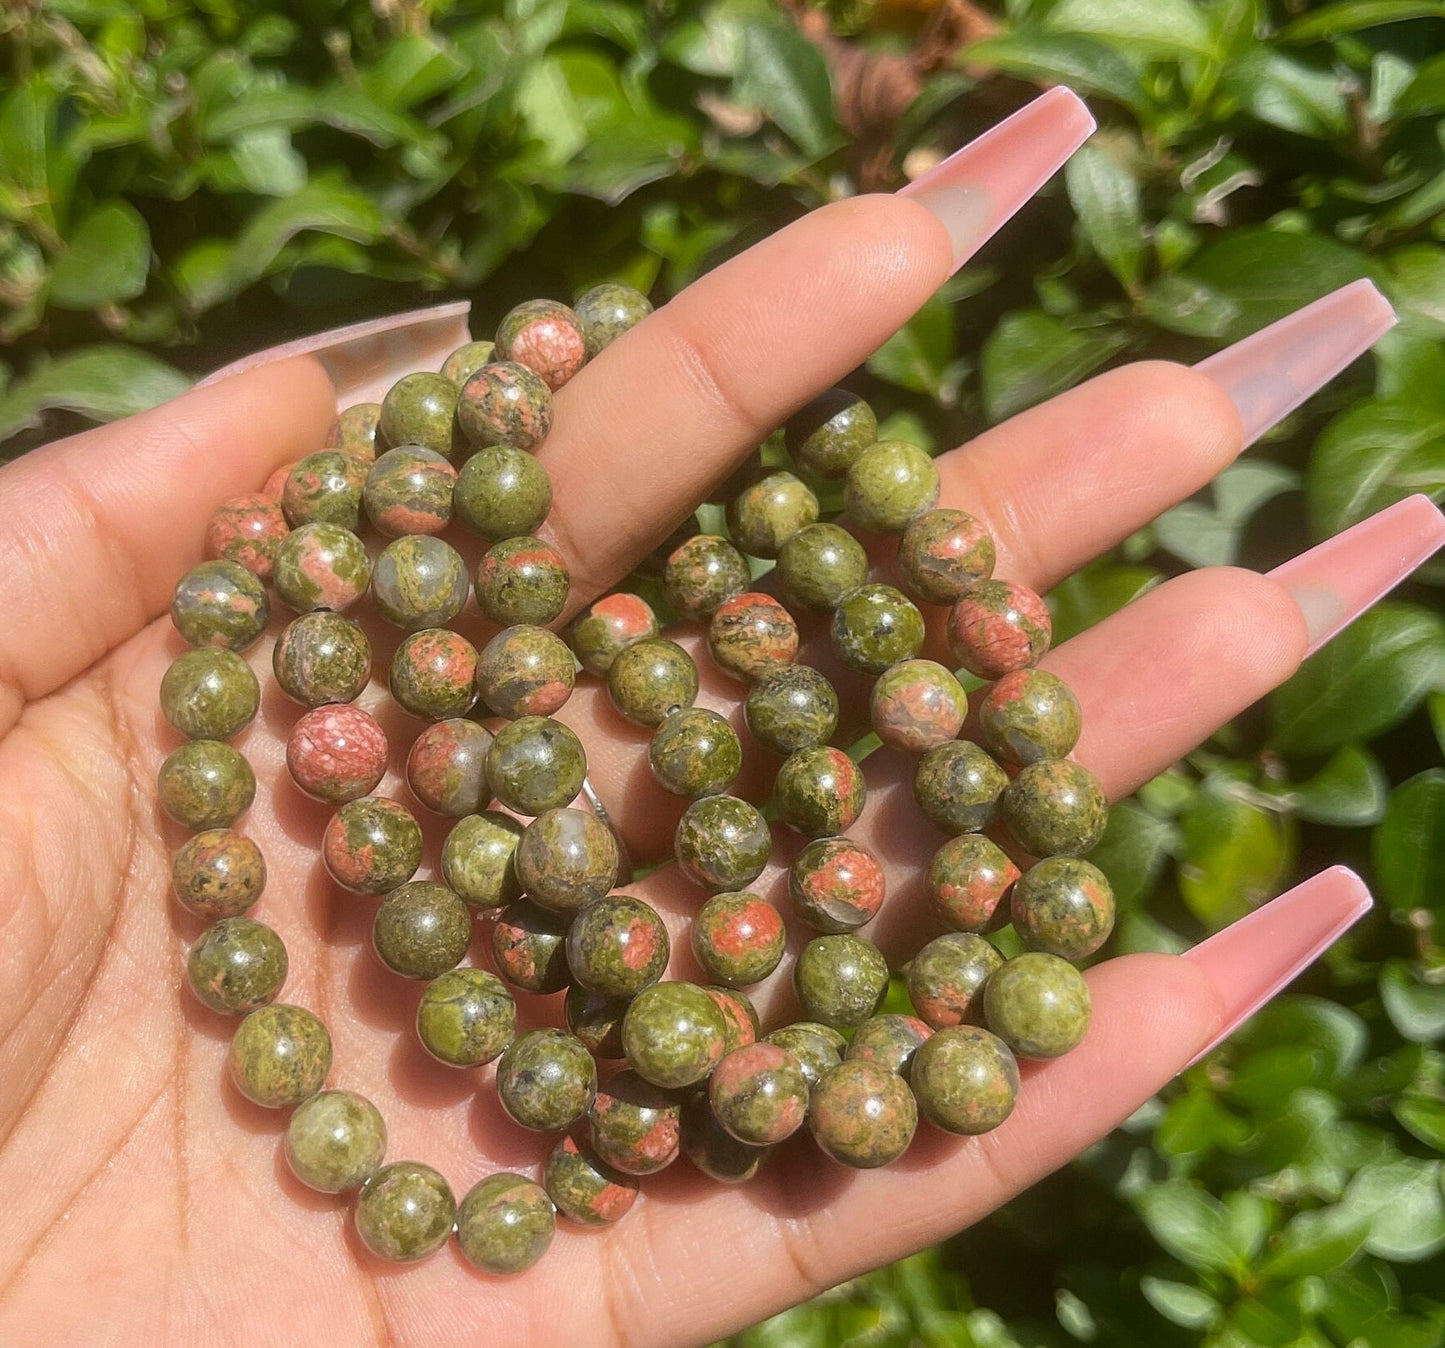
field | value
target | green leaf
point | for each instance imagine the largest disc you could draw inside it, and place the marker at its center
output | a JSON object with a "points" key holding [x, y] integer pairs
{"points": [[267, 163], [1426, 92], [1180, 1303], [785, 75], [1133, 851], [1402, 1202], [1284, 92], [1423, 1116], [100, 382], [1105, 196], [1349, 791], [1350, 16], [411, 69], [1409, 844], [1030, 356], [1331, 1030], [1418, 285], [1369, 678], [1313, 1243], [1202, 536], [1234, 858], [1435, 704], [1091, 595], [1170, 27], [918, 355], [1085, 63], [105, 260], [1190, 1224], [1183, 304]]}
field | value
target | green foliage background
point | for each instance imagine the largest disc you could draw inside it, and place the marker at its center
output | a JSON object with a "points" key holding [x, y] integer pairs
{"points": [[179, 182]]}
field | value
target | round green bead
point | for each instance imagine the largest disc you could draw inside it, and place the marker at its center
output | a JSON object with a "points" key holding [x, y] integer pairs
{"points": [[529, 945], [536, 764], [408, 490], [819, 792], [545, 336], [738, 938], [650, 679], [320, 658], [218, 874], [703, 572], [763, 516], [817, 1047], [673, 1034], [206, 784], [831, 432], [502, 492], [840, 980], [820, 564], [525, 671], [584, 1189], [505, 403], [889, 1040], [324, 488], [836, 884], [466, 1017], [751, 635], [608, 310], [466, 360], [421, 930], [965, 1080], [1038, 1004], [479, 860], [209, 693], [957, 785], [1029, 715], [792, 708], [354, 430], [759, 1094], [712, 1149], [279, 1055], [434, 674], [546, 1080], [947, 977], [876, 626], [522, 580], [405, 1212], [595, 1020], [634, 1126], [371, 845], [1063, 906], [967, 881], [419, 581], [446, 768], [942, 553], [917, 705], [505, 1224], [695, 752], [862, 1115], [220, 603], [740, 1017], [617, 946], [890, 484], [1055, 807], [237, 965], [608, 627], [566, 859], [998, 626], [420, 409], [335, 1141], [722, 842], [321, 566]]}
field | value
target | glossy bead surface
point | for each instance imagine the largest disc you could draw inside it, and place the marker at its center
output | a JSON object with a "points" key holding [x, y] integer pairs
{"points": [[337, 753], [335, 1141], [876, 626], [740, 1017], [584, 1189], [408, 490], [466, 1017], [831, 432], [205, 784], [320, 658], [722, 842], [1063, 906], [701, 573], [371, 845], [566, 859], [759, 1094], [354, 430], [479, 859], [608, 627], [817, 1047], [752, 634], [1030, 715], [419, 581], [247, 530], [819, 792], [237, 965], [968, 879], [434, 674], [764, 515], [712, 1149], [324, 488], [791, 708], [965, 1080], [957, 786], [840, 980], [862, 1115], [738, 938], [209, 693], [1055, 807], [836, 884], [502, 492], [890, 484], [447, 767], [321, 566], [617, 946], [505, 1224], [947, 977], [545, 336], [998, 626], [942, 553], [405, 1212], [505, 404], [650, 679], [467, 359], [695, 752], [1038, 1004], [546, 1080], [889, 1040], [529, 945], [917, 705], [218, 873], [279, 1055], [673, 1034], [525, 671], [522, 580], [595, 1020], [536, 764], [419, 409], [220, 603], [608, 310], [634, 1126], [820, 564], [421, 930]]}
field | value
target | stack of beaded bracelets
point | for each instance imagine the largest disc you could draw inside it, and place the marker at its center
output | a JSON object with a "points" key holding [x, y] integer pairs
{"points": [[698, 1080]]}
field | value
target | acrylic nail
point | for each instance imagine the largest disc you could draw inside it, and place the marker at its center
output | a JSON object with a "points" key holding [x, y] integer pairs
{"points": [[1256, 958], [1271, 372], [1337, 580], [977, 189]]}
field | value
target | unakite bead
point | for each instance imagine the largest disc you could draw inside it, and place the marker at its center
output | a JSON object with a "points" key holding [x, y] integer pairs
{"points": [[695, 752], [617, 946], [545, 336], [220, 603], [942, 553], [529, 945], [279, 1055], [1038, 1004], [917, 705], [740, 1017], [722, 842], [206, 784], [324, 488], [763, 516], [218, 874], [965, 1080], [419, 581], [673, 1034], [546, 1080], [752, 634], [335, 1141], [502, 492], [876, 626], [525, 671], [820, 564], [479, 859], [650, 679], [209, 693], [1064, 906], [738, 938], [712, 1149], [371, 845], [819, 791], [408, 490], [321, 566], [405, 1212], [817, 1047], [1028, 715], [1055, 807], [890, 484], [889, 1040], [957, 785], [522, 580], [967, 881], [337, 753], [447, 767], [237, 965], [567, 858], [836, 884], [946, 978], [701, 573], [466, 1017], [862, 1115], [505, 1224], [419, 409], [536, 764], [831, 432], [321, 657], [759, 1094], [584, 1189], [467, 359], [595, 1020], [354, 430], [612, 624], [840, 980], [608, 310], [421, 930], [247, 530], [634, 1126], [505, 403], [434, 674], [998, 626], [791, 708]]}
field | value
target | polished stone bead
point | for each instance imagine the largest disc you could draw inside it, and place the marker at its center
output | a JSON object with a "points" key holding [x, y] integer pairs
{"points": [[584, 1189], [335, 1141], [566, 859], [942, 553], [957, 785], [965, 1080], [206, 784], [836, 884], [405, 1212], [447, 767], [419, 581], [434, 674], [525, 671], [695, 752], [608, 310], [337, 753], [712, 1149], [209, 693], [738, 938], [1055, 808], [1029, 715], [876, 626], [1064, 906], [791, 708], [546, 1080], [651, 679], [324, 488], [608, 627], [889, 1040], [274, 485], [819, 792], [759, 1094], [522, 580], [321, 566], [466, 1017], [740, 1017], [218, 874], [536, 764], [505, 1224], [595, 1020], [247, 530], [479, 860], [917, 705], [279, 1055], [752, 634], [946, 978], [889, 485], [862, 1115], [529, 945], [355, 431], [421, 930], [673, 1034], [320, 658], [408, 490], [467, 359], [817, 1047], [998, 626], [722, 842], [634, 1126], [502, 492], [765, 514], [545, 336], [967, 881], [701, 573], [420, 409], [1038, 1004], [237, 965], [371, 845], [220, 603], [831, 432], [617, 946], [840, 979], [820, 564], [505, 403]]}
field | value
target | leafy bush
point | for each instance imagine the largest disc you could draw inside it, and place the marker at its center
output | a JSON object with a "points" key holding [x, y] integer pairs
{"points": [[177, 181]]}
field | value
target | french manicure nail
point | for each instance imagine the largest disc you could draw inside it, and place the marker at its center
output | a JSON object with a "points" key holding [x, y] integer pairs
{"points": [[1271, 372], [1337, 580], [1257, 957], [980, 187]]}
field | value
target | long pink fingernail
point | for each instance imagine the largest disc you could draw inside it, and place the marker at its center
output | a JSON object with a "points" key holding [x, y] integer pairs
{"points": [[978, 188], [1337, 580], [1260, 955], [1271, 372]]}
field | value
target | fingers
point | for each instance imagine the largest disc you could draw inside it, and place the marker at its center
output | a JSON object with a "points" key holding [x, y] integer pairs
{"points": [[101, 524]]}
